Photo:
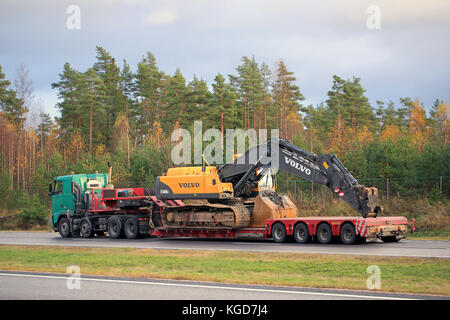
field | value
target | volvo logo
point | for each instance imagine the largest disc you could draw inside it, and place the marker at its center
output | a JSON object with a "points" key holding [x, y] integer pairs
{"points": [[297, 165], [189, 185]]}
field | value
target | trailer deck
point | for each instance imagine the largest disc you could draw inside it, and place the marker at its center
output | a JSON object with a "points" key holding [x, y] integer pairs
{"points": [[388, 229]]}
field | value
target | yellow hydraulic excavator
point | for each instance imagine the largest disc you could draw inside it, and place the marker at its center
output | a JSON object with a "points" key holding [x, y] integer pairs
{"points": [[242, 194]]}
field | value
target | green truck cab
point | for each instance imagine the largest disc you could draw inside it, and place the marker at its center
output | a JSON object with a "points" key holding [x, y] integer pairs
{"points": [[63, 192], [88, 205]]}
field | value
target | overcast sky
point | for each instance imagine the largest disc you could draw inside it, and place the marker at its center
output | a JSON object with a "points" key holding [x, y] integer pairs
{"points": [[407, 56]]}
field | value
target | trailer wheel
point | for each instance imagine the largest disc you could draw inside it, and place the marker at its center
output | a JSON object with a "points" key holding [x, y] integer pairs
{"points": [[279, 233], [324, 233], [348, 234], [390, 239], [86, 229], [115, 228], [64, 228], [131, 228], [301, 233]]}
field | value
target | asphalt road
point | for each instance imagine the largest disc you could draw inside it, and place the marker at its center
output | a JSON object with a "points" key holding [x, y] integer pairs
{"points": [[404, 248], [49, 286]]}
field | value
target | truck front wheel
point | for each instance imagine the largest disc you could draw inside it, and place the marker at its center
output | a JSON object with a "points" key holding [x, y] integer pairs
{"points": [[64, 228]]}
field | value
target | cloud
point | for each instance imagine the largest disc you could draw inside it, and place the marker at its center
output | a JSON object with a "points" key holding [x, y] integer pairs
{"points": [[161, 17], [407, 56]]}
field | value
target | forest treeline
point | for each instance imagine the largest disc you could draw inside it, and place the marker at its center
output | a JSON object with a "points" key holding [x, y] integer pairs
{"points": [[110, 113]]}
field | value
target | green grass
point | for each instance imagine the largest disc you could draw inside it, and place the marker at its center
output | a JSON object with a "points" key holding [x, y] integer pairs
{"points": [[429, 235], [413, 275]]}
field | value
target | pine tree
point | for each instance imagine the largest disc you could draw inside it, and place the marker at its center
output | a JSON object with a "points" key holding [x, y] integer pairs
{"points": [[94, 97], [335, 104], [149, 89], [174, 101], [9, 103], [70, 106], [249, 86], [287, 98], [197, 98], [348, 111], [268, 110], [358, 113], [317, 120], [4, 84], [389, 116], [440, 113], [223, 105], [107, 70], [404, 112], [127, 87]]}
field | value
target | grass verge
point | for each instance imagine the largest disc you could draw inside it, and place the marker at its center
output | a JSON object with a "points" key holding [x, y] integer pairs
{"points": [[429, 235], [409, 275]]}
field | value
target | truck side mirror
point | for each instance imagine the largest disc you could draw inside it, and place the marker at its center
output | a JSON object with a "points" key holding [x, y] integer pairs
{"points": [[50, 191]]}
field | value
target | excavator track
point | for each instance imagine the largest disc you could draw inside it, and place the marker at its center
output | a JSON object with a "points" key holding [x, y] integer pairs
{"points": [[206, 216]]}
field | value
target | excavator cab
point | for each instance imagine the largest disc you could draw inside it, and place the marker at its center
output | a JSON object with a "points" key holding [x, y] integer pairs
{"points": [[266, 181]]}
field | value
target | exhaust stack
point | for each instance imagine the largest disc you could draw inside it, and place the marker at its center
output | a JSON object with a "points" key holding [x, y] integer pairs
{"points": [[110, 185]]}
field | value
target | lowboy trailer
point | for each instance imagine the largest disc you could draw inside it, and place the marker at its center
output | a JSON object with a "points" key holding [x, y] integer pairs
{"points": [[349, 230]]}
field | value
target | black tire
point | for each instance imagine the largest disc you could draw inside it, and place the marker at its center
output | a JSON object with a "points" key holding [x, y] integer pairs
{"points": [[131, 228], [324, 233], [301, 233], [115, 228], [348, 234], [86, 229], [64, 228], [279, 233], [390, 239]]}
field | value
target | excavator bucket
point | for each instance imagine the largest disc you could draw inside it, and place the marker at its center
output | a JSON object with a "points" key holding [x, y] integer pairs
{"points": [[270, 205], [369, 197]]}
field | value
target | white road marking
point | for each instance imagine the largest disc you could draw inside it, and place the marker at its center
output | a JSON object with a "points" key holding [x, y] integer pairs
{"points": [[209, 287]]}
